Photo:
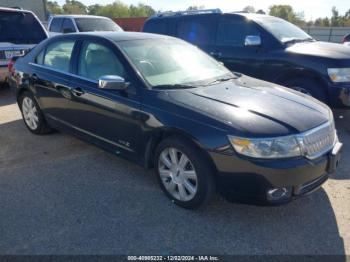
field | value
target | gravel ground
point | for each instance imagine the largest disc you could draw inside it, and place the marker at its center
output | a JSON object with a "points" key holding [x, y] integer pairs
{"points": [[59, 195]]}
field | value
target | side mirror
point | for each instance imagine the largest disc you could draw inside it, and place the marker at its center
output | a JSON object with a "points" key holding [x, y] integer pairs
{"points": [[252, 40], [68, 30], [112, 82]]}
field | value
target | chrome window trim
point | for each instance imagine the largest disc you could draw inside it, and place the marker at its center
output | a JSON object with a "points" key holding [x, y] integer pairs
{"points": [[63, 72]]}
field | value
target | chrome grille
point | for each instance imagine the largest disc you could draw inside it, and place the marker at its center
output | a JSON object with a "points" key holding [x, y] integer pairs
{"points": [[319, 140]]}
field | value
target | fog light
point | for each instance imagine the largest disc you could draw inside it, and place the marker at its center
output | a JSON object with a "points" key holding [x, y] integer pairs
{"points": [[275, 194]]}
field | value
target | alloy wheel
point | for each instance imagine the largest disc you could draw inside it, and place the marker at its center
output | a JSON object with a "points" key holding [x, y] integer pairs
{"points": [[30, 113], [177, 174]]}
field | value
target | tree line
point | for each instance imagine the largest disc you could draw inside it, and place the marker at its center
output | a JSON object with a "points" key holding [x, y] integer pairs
{"points": [[119, 9]]}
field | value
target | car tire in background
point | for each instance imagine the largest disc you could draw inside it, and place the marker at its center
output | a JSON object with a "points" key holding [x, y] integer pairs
{"points": [[32, 115], [307, 86], [184, 173]]}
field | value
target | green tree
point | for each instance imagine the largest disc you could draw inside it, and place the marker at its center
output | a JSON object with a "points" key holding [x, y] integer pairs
{"points": [[74, 7], [54, 8], [249, 9], [94, 9], [141, 10], [286, 12], [116, 9]]}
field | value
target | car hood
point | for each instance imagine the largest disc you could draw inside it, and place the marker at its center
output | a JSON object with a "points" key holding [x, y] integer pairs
{"points": [[254, 107], [321, 49]]}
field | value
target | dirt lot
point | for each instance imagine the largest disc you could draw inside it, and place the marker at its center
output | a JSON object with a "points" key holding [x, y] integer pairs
{"points": [[59, 195]]}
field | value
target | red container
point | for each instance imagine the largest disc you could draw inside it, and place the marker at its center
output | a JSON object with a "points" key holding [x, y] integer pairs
{"points": [[134, 24]]}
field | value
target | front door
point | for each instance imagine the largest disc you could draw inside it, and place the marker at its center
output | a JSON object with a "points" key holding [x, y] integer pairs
{"points": [[108, 116], [230, 46]]}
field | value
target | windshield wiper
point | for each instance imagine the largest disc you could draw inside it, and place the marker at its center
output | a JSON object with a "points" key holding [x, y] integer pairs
{"points": [[224, 79], [298, 40], [174, 86]]}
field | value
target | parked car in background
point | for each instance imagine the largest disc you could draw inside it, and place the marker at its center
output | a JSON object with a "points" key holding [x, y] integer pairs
{"points": [[62, 24], [164, 103], [20, 30], [264, 47], [346, 40]]}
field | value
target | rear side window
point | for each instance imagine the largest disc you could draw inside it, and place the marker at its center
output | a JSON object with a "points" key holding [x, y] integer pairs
{"points": [[55, 25], [58, 55], [233, 32], [198, 30], [20, 28]]}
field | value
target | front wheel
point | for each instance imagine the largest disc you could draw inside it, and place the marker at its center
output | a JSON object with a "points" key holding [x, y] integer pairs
{"points": [[32, 115], [183, 173]]}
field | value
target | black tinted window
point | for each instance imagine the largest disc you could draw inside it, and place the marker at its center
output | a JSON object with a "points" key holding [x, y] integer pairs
{"points": [[68, 26], [96, 24], [20, 28], [198, 30], [55, 25], [233, 32]]}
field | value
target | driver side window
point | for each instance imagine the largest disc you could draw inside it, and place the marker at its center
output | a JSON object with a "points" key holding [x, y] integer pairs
{"points": [[96, 60]]}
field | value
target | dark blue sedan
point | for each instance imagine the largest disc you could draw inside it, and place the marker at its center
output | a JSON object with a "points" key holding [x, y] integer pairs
{"points": [[163, 103]]}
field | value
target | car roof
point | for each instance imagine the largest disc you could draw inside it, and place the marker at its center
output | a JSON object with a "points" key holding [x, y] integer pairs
{"points": [[241, 14], [15, 10], [118, 36]]}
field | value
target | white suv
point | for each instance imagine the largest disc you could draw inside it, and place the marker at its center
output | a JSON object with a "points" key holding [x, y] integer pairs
{"points": [[62, 24], [20, 30]]}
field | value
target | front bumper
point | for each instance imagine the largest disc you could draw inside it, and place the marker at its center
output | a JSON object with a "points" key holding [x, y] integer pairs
{"points": [[249, 180]]}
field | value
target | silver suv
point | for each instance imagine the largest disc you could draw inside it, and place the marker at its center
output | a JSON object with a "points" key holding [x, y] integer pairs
{"points": [[62, 24], [20, 30]]}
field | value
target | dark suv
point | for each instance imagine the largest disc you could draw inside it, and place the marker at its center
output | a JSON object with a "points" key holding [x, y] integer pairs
{"points": [[265, 47]]}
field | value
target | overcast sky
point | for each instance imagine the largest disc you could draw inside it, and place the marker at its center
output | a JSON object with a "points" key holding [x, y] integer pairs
{"points": [[311, 9]]}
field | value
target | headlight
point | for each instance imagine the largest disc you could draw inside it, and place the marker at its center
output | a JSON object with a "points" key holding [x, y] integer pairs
{"points": [[339, 74], [279, 147]]}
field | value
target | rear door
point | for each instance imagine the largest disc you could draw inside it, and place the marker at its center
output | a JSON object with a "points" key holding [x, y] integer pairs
{"points": [[199, 30], [230, 45], [51, 75]]}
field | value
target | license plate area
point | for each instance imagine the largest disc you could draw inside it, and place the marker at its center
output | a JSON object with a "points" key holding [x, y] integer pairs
{"points": [[334, 158], [10, 54]]}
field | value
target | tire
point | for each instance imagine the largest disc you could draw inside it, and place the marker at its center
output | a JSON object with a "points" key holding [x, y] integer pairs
{"points": [[307, 86], [190, 185], [32, 115]]}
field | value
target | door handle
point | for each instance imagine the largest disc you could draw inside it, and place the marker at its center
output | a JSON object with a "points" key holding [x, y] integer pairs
{"points": [[77, 91]]}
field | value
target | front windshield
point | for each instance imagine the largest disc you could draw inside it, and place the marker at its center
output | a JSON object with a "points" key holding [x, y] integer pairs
{"points": [[282, 30], [165, 62], [89, 24]]}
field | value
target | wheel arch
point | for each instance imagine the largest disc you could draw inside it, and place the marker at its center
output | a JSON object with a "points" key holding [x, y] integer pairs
{"points": [[160, 134], [302, 73]]}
